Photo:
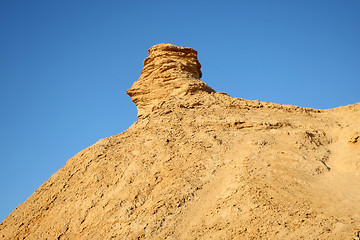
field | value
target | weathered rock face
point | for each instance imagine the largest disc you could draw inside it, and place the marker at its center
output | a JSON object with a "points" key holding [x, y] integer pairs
{"points": [[169, 70], [204, 166]]}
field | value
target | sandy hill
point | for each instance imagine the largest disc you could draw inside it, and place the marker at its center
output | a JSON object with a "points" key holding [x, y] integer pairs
{"points": [[203, 165]]}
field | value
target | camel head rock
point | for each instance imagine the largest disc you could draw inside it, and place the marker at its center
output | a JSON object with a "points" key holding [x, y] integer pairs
{"points": [[169, 70]]}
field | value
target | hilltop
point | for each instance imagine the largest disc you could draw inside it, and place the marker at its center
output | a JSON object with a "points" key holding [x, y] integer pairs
{"points": [[199, 164]]}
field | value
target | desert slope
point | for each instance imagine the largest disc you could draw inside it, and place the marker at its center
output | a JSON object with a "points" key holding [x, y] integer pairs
{"points": [[203, 165]]}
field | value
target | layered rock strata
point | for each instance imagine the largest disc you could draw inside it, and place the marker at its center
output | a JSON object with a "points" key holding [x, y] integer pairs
{"points": [[169, 70]]}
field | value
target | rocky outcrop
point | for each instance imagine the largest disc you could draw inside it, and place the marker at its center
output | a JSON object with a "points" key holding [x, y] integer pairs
{"points": [[204, 166], [169, 70]]}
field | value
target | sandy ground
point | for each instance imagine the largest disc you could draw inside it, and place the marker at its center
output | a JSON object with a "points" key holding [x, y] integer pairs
{"points": [[207, 166]]}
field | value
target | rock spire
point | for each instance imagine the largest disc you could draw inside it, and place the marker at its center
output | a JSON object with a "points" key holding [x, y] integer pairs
{"points": [[168, 70]]}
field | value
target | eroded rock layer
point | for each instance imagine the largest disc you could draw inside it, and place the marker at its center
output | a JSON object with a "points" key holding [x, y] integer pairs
{"points": [[169, 70], [204, 166]]}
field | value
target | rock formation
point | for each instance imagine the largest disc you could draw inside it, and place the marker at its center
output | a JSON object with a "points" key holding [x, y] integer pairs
{"points": [[204, 165], [169, 70]]}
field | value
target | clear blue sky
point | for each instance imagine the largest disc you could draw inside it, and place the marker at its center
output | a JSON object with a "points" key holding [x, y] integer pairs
{"points": [[65, 67]]}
